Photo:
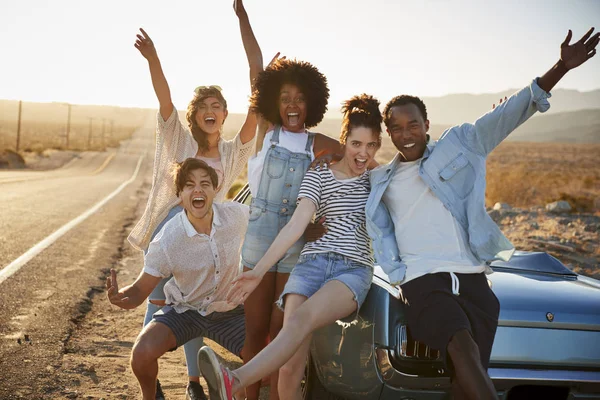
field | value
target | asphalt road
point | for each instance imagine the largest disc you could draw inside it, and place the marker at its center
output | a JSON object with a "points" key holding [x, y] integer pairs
{"points": [[43, 301]]}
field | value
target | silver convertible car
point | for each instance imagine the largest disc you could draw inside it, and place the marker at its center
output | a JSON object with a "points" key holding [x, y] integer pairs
{"points": [[547, 345]]}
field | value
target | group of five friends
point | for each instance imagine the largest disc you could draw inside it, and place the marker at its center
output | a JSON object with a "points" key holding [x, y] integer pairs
{"points": [[421, 217]]}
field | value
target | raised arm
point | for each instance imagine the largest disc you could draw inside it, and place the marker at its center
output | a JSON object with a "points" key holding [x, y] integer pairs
{"points": [[571, 56], [291, 232], [146, 47], [133, 295], [490, 129], [255, 63], [253, 52]]}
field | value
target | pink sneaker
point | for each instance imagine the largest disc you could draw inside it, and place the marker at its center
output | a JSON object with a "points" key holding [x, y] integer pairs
{"points": [[218, 378]]}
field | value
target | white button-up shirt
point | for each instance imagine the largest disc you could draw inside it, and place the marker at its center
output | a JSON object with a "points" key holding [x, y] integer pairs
{"points": [[202, 266]]}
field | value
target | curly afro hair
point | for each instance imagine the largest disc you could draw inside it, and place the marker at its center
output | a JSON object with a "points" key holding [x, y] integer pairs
{"points": [[312, 83], [362, 110]]}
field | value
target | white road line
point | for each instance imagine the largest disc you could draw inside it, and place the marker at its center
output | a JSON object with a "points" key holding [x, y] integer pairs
{"points": [[14, 266]]}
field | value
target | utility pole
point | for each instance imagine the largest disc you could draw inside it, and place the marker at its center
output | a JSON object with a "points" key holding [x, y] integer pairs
{"points": [[112, 129], [68, 126], [19, 126], [90, 135], [103, 131]]}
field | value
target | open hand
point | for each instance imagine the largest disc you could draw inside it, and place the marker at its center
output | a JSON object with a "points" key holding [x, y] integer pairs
{"points": [[242, 286], [499, 102], [324, 159], [275, 59], [573, 55], [145, 45], [315, 230], [112, 290]]}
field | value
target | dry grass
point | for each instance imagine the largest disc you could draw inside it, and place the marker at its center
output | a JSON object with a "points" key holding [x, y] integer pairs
{"points": [[44, 126], [532, 174]]}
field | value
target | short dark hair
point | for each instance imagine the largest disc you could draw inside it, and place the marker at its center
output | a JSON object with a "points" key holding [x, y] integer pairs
{"points": [[402, 101], [362, 110], [181, 172], [310, 81]]}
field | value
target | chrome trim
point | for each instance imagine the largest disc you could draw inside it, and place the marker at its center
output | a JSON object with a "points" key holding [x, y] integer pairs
{"points": [[549, 325], [390, 376], [397, 379], [402, 348], [544, 375], [403, 334], [394, 291]]}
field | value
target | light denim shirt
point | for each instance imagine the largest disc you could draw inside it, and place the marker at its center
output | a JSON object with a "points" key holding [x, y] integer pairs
{"points": [[454, 169]]}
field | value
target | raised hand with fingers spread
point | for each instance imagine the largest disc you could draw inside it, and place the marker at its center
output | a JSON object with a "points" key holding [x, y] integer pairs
{"points": [[573, 55]]}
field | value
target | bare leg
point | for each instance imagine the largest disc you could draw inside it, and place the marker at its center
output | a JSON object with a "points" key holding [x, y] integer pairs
{"points": [[154, 341], [257, 308], [290, 374], [469, 373], [311, 315], [275, 327]]}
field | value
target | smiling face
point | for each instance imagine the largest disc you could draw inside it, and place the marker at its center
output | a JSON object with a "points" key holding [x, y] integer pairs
{"points": [[210, 115], [292, 108], [197, 194], [408, 131], [361, 145]]}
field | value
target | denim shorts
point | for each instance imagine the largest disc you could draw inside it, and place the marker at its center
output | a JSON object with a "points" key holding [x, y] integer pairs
{"points": [[316, 269]]}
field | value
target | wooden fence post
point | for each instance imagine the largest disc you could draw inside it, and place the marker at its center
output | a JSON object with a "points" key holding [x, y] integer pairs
{"points": [[89, 147], [19, 127], [68, 127]]}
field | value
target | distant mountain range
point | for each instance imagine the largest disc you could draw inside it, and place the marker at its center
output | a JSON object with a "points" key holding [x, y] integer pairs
{"points": [[455, 109], [574, 117]]}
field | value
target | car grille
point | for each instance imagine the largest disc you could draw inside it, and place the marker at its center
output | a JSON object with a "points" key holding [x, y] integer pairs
{"points": [[411, 349]]}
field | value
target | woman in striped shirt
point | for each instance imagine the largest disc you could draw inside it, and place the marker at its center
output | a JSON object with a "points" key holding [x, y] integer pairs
{"points": [[335, 270]]}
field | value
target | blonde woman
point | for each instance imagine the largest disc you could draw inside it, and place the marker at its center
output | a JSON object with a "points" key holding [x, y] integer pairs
{"points": [[201, 139]]}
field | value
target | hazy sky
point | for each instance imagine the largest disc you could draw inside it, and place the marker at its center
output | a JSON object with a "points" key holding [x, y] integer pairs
{"points": [[82, 51]]}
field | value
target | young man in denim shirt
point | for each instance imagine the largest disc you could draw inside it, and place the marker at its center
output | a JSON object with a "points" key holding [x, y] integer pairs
{"points": [[431, 233]]}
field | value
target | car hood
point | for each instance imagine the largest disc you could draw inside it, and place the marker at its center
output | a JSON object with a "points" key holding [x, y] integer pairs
{"points": [[542, 300], [537, 290]]}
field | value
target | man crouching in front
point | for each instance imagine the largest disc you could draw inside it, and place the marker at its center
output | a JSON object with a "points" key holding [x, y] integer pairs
{"points": [[200, 248]]}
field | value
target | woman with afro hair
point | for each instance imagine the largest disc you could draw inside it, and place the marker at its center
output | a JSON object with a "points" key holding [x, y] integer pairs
{"points": [[333, 274], [291, 96], [202, 139]]}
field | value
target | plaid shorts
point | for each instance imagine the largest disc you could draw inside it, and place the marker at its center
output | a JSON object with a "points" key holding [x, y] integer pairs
{"points": [[226, 328]]}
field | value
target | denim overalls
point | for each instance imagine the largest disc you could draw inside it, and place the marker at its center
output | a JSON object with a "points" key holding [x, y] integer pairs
{"points": [[272, 207]]}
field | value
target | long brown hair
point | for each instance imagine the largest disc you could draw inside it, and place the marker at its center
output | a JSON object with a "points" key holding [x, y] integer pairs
{"points": [[198, 134]]}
